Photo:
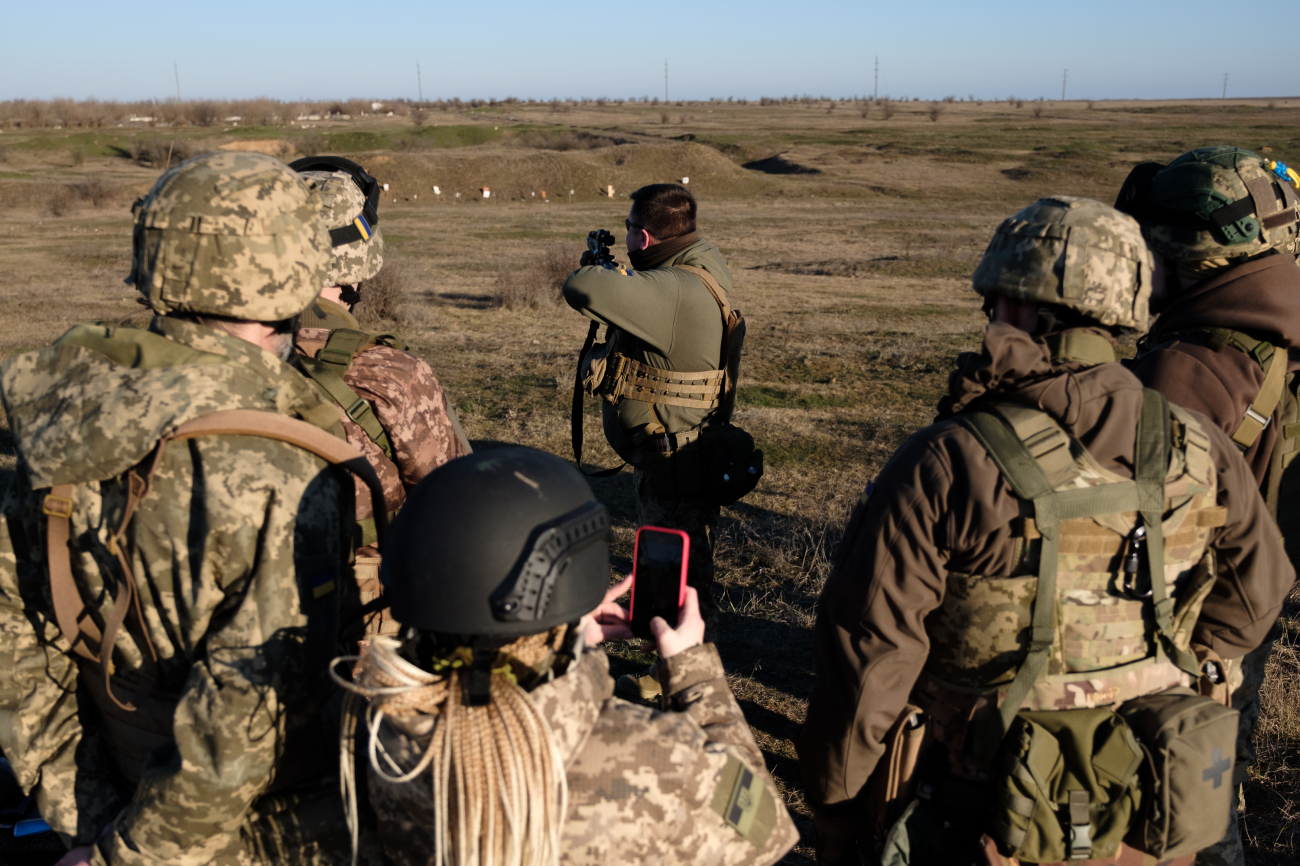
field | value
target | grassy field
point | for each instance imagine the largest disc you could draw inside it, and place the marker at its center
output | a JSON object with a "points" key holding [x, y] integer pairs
{"points": [[851, 229]]}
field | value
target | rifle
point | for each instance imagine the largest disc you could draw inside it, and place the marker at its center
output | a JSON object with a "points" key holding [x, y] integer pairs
{"points": [[598, 244]]}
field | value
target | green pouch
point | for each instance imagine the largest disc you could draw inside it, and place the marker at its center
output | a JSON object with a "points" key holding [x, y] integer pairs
{"points": [[1190, 743], [732, 466], [1069, 786]]}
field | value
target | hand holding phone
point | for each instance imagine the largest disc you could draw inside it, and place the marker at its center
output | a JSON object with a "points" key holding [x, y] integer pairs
{"points": [[658, 577]]}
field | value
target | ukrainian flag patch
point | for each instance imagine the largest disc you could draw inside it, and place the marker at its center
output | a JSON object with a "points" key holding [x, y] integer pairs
{"points": [[627, 272], [322, 584], [363, 227]]}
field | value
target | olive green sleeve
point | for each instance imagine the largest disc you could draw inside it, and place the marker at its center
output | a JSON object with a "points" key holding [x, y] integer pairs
{"points": [[642, 303]]}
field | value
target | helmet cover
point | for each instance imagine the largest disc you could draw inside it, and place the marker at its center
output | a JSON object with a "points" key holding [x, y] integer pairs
{"points": [[230, 234], [1075, 253], [342, 203], [1219, 202]]}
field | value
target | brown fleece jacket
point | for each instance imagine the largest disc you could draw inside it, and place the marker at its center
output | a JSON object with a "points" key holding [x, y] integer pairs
{"points": [[941, 505], [1260, 298]]}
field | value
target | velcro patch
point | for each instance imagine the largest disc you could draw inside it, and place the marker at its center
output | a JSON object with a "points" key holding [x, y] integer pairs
{"points": [[322, 584], [744, 802]]}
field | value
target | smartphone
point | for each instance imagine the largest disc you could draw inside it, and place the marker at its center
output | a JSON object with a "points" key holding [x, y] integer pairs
{"points": [[658, 577]]}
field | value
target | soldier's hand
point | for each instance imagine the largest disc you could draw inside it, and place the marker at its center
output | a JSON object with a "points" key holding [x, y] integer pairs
{"points": [[609, 621], [689, 631], [587, 259]]}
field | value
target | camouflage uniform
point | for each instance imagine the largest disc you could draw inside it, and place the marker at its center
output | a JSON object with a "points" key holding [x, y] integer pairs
{"points": [[237, 548], [398, 389], [924, 587], [685, 786]]}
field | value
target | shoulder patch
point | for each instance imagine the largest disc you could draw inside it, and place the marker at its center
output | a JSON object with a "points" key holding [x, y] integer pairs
{"points": [[627, 272], [744, 802]]}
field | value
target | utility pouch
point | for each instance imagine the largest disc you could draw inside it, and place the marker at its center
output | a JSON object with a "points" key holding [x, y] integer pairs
{"points": [[1190, 743], [893, 784], [593, 366], [1069, 785], [731, 465]]}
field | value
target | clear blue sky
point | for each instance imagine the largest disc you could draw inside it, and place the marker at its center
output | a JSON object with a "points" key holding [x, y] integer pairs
{"points": [[327, 49]]}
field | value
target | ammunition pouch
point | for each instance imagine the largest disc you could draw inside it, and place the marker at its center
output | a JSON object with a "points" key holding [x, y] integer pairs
{"points": [[1068, 787], [894, 782]]}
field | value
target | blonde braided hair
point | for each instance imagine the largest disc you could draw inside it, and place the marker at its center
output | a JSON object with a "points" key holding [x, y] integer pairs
{"points": [[498, 785]]}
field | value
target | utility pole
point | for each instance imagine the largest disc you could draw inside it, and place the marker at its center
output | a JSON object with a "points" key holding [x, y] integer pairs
{"points": [[419, 85], [665, 81], [1064, 78], [875, 93], [177, 70], [1225, 85]]}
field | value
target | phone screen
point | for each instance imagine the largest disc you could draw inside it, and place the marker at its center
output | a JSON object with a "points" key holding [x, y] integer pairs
{"points": [[659, 566]]}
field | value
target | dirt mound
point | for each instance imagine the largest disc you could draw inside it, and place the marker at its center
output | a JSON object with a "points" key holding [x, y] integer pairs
{"points": [[897, 266], [779, 165], [515, 173]]}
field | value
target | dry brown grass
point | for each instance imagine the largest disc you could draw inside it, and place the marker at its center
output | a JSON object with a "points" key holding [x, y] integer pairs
{"points": [[537, 282], [854, 281]]}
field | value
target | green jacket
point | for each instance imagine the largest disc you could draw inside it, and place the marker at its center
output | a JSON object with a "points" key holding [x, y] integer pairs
{"points": [[667, 319], [237, 539]]}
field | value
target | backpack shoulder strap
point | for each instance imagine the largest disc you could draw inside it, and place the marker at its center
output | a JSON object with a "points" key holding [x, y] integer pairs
{"points": [[342, 345], [356, 407], [1270, 359], [714, 287], [69, 609]]}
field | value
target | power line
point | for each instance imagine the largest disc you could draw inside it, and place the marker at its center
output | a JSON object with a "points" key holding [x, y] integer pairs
{"points": [[1225, 85]]}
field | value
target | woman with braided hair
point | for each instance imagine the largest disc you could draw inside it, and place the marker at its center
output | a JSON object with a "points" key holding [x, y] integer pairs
{"points": [[491, 732]]}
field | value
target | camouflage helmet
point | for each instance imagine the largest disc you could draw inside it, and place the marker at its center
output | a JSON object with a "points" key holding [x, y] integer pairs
{"points": [[1218, 202], [230, 234], [349, 202], [1075, 253], [501, 543]]}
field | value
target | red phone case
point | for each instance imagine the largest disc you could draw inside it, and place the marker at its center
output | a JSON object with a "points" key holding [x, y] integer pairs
{"points": [[686, 557]]}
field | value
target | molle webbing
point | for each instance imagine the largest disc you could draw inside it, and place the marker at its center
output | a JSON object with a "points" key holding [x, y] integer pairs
{"points": [[327, 369], [137, 725], [633, 380], [1030, 467], [1271, 360]]}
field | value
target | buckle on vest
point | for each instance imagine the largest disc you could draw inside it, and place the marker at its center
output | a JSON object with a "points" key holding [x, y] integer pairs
{"points": [[57, 506], [1257, 418], [358, 410]]}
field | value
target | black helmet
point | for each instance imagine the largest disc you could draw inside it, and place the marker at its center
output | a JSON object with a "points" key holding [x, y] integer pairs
{"points": [[502, 543]]}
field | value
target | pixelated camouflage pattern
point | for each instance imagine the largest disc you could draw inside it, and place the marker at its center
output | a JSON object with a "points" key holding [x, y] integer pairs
{"points": [[226, 547], [411, 407], [230, 234], [1186, 184], [1073, 252], [641, 782], [341, 203], [1106, 648]]}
